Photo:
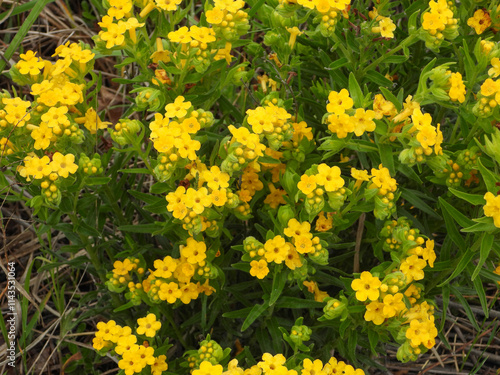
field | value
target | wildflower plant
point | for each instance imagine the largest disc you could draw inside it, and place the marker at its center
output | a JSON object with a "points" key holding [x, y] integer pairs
{"points": [[286, 178]]}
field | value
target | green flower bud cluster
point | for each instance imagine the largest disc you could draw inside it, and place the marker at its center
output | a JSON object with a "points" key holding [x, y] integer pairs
{"points": [[124, 131], [149, 98], [90, 166]]}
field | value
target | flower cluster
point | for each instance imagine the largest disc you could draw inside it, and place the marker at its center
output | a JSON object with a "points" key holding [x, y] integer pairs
{"points": [[425, 139], [488, 99], [171, 279], [111, 337], [339, 119], [438, 24]]}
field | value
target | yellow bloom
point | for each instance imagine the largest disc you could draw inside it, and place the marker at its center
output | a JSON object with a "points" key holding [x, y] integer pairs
{"points": [[495, 70], [180, 36], [374, 313], [480, 21], [307, 184], [63, 165], [329, 177], [492, 207], [276, 250], [339, 102], [178, 108], [412, 267], [259, 268], [148, 325], [206, 368], [432, 22], [366, 287]]}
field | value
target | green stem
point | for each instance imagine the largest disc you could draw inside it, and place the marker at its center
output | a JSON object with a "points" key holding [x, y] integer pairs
{"points": [[408, 41], [177, 333]]}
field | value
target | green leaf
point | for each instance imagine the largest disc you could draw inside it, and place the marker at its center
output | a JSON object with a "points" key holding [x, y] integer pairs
{"points": [[478, 285], [339, 63], [460, 218], [481, 227], [373, 338], [355, 91], [466, 307], [238, 314], [484, 251], [126, 306], [386, 157], [489, 178], [91, 181], [144, 197], [390, 97], [452, 230], [279, 282], [411, 197], [254, 313], [376, 77], [135, 171], [298, 303], [474, 199], [462, 264], [139, 228]]}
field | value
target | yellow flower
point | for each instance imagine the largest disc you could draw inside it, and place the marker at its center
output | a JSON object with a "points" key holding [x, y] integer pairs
{"points": [[296, 229], [412, 267], [168, 5], [275, 197], [427, 136], [169, 292], [490, 87], [178, 108], [374, 313], [432, 22], [492, 207], [307, 184], [480, 21], [312, 368], [219, 197], [387, 27], [367, 286], [159, 366], [457, 89], [180, 36], [293, 260], [42, 136], [214, 16], [363, 121], [417, 333], [495, 70], [148, 325], [294, 32], [30, 64], [63, 165], [259, 268], [206, 368], [303, 244], [329, 177], [276, 250], [195, 252], [339, 102], [393, 305]]}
